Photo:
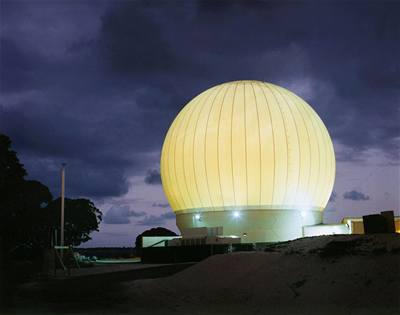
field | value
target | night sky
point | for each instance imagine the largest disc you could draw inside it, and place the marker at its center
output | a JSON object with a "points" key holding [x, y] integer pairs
{"points": [[96, 84]]}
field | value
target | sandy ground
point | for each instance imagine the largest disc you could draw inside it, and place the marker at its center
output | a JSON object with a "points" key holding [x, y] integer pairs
{"points": [[319, 275]]}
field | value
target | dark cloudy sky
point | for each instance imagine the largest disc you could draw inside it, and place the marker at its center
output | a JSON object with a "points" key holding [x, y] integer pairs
{"points": [[96, 84]]}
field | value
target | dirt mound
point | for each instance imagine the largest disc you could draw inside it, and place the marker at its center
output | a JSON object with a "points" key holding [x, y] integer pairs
{"points": [[318, 275], [339, 245]]}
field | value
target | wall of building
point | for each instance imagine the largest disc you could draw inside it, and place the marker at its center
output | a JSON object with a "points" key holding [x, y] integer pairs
{"points": [[156, 241], [253, 225], [325, 229], [356, 225]]}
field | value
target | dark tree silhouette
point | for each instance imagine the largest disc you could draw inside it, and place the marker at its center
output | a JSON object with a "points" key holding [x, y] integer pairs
{"points": [[20, 200], [28, 218], [28, 215], [17, 197], [81, 218], [28, 224], [12, 174]]}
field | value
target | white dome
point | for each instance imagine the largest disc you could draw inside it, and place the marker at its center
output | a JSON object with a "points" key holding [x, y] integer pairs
{"points": [[247, 145]]}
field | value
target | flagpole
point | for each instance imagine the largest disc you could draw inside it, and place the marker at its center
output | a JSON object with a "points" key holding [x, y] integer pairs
{"points": [[62, 202]]}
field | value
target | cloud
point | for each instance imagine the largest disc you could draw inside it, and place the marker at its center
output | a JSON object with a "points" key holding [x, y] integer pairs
{"points": [[157, 220], [139, 62], [160, 205], [131, 47], [18, 66], [355, 195], [153, 177], [333, 197], [121, 215], [99, 154], [92, 177]]}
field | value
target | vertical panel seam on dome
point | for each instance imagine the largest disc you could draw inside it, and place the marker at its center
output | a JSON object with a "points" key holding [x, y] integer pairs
{"points": [[218, 149], [319, 122], [323, 158], [205, 143], [233, 107], [308, 141], [172, 173], [245, 141], [182, 132], [194, 106], [195, 191], [178, 129], [326, 147], [167, 149], [273, 142], [332, 176], [333, 164], [333, 161], [287, 145], [259, 141], [163, 182], [298, 143], [328, 166], [318, 146], [170, 161], [305, 108], [166, 178], [194, 140]]}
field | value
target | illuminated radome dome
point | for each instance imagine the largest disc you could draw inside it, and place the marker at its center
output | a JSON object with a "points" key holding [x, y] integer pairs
{"points": [[251, 157]]}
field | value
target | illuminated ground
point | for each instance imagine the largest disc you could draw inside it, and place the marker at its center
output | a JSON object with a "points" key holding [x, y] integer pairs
{"points": [[321, 275]]}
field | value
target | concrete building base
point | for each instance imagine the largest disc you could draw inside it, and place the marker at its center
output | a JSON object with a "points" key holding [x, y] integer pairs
{"points": [[252, 225]]}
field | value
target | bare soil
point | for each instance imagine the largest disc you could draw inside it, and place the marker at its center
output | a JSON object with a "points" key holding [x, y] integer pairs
{"points": [[340, 274]]}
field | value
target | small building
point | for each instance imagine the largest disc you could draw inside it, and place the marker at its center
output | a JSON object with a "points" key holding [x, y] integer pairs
{"points": [[356, 224]]}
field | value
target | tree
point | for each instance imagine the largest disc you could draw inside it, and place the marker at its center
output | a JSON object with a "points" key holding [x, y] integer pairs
{"points": [[12, 172], [12, 175], [29, 216], [28, 213], [19, 198], [158, 231], [28, 224], [81, 218]]}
